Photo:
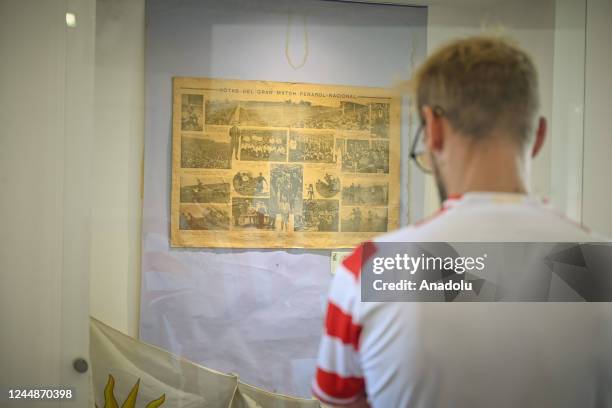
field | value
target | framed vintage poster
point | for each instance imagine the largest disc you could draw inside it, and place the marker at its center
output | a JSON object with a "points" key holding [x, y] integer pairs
{"points": [[258, 164]]}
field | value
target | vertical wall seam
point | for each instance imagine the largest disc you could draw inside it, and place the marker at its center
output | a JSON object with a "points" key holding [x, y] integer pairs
{"points": [[584, 109]]}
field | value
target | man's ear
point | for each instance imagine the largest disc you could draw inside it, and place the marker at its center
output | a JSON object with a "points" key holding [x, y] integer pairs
{"points": [[433, 129], [540, 137]]}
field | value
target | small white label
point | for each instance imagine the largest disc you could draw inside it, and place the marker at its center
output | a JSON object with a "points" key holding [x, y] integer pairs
{"points": [[336, 258]]}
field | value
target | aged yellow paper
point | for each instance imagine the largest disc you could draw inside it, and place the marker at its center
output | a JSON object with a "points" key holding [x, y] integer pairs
{"points": [[259, 164]]}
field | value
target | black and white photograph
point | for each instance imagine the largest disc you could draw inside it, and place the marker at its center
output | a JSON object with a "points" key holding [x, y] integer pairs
{"points": [[205, 152], [339, 150], [192, 113], [204, 217], [379, 158], [252, 184], [321, 181], [354, 116], [363, 192], [363, 219], [208, 189], [311, 147], [286, 186], [338, 114], [247, 113], [263, 145], [252, 213], [362, 157], [234, 139], [318, 216], [353, 152], [328, 185], [380, 120]]}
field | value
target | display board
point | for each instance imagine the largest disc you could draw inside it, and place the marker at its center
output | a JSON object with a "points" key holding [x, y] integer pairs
{"points": [[258, 164]]}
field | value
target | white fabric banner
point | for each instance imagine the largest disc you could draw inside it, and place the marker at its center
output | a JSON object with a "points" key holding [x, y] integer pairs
{"points": [[132, 374]]}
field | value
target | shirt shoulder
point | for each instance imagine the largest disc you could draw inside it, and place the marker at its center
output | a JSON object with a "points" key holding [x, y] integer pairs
{"points": [[491, 221]]}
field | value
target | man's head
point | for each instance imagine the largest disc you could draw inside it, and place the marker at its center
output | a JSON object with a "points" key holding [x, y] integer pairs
{"points": [[478, 100]]}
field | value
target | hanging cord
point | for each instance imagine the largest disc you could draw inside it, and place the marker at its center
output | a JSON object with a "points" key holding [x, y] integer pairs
{"points": [[288, 39]]}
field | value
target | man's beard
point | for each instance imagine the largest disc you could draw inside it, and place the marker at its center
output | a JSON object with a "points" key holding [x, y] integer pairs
{"points": [[439, 183]]}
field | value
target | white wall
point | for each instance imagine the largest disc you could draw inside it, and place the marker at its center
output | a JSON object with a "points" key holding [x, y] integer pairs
{"points": [[567, 123], [45, 135], [117, 164], [31, 174], [531, 24], [597, 187], [573, 169]]}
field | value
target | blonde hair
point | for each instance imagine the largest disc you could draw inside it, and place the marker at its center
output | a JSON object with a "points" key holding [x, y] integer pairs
{"points": [[482, 84]]}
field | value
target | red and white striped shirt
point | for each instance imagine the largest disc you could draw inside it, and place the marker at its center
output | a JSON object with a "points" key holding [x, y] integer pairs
{"points": [[462, 354]]}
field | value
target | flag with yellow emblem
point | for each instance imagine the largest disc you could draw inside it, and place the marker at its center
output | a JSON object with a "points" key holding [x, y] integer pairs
{"points": [[128, 373]]}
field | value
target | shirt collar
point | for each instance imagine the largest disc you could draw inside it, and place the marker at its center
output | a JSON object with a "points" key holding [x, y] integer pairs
{"points": [[473, 197]]}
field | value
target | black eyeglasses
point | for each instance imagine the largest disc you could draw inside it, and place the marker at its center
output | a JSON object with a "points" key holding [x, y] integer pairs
{"points": [[418, 152]]}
